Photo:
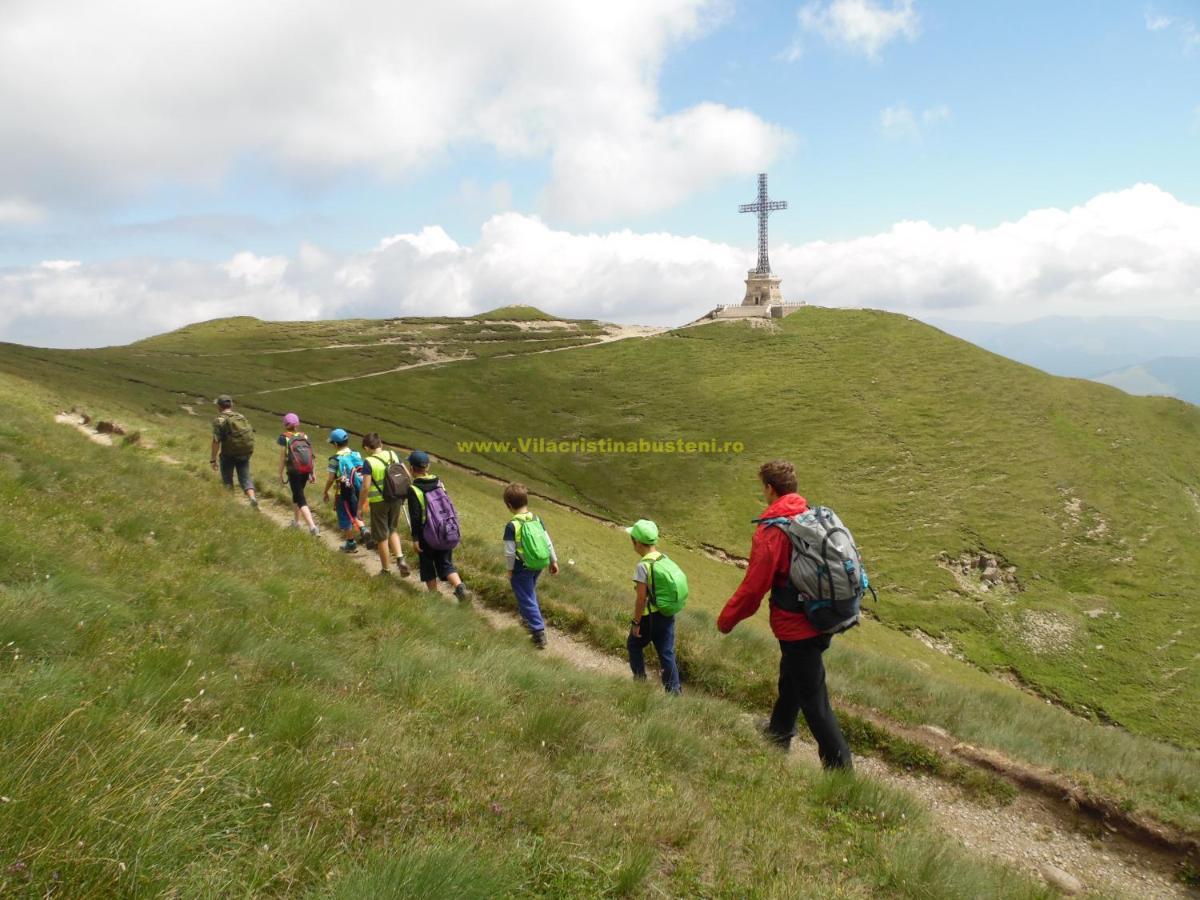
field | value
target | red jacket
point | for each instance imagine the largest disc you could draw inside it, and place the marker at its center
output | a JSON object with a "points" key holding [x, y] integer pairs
{"points": [[770, 559]]}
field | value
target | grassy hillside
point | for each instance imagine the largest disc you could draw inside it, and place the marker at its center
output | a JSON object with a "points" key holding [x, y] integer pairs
{"points": [[874, 666], [199, 704], [934, 451]]}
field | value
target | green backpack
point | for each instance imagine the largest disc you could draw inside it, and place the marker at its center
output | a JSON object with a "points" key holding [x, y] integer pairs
{"points": [[532, 542], [667, 585], [238, 436]]}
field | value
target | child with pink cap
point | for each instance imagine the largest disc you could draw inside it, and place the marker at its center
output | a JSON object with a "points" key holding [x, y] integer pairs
{"points": [[297, 469]]}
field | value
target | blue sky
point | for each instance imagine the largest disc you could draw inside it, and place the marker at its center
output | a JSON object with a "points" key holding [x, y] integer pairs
{"points": [[962, 114]]}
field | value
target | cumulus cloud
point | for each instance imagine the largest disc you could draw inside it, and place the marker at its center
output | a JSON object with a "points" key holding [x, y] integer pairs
{"points": [[103, 99], [1135, 251], [863, 26]]}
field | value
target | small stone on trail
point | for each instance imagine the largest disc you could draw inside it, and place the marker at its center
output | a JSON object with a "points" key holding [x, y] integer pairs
{"points": [[1064, 881]]}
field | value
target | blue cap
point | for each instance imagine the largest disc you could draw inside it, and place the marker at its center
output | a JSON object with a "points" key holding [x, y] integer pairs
{"points": [[338, 436], [418, 459]]}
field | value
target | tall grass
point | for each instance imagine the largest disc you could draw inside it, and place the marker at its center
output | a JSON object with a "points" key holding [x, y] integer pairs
{"points": [[221, 708]]}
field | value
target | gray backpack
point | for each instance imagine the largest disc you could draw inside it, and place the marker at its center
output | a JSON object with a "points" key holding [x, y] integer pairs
{"points": [[827, 576]]}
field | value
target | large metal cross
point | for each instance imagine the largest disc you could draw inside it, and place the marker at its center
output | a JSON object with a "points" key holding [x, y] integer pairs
{"points": [[763, 207]]}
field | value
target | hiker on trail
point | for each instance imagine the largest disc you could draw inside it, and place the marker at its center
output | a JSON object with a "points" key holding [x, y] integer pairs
{"points": [[528, 551], [385, 490], [801, 670], [345, 470], [661, 590], [232, 447], [434, 524], [297, 469]]}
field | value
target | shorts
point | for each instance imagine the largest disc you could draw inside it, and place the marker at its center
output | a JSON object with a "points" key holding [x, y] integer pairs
{"points": [[242, 465], [347, 509], [298, 483], [385, 518], [436, 564]]}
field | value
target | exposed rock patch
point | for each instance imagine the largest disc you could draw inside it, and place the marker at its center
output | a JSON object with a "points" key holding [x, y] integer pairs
{"points": [[941, 645], [1042, 632], [981, 572]]}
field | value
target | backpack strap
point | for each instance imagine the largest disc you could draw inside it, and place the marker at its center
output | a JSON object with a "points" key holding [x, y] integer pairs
{"points": [[650, 559]]}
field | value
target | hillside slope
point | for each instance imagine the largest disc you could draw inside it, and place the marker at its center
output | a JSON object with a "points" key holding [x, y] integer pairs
{"points": [[199, 704], [874, 666], [937, 453]]}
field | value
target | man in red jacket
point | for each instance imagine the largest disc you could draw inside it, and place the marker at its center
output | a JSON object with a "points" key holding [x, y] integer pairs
{"points": [[801, 670]]}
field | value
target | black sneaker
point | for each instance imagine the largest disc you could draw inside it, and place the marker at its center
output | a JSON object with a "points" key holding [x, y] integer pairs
{"points": [[539, 639], [775, 740]]}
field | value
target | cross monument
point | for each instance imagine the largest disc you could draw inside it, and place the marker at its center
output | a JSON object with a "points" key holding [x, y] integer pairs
{"points": [[762, 289]]}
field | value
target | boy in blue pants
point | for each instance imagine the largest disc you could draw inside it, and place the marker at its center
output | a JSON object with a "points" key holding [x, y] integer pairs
{"points": [[527, 551], [345, 471], [648, 624]]}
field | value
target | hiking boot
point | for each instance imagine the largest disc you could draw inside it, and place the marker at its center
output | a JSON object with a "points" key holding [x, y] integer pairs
{"points": [[293, 524], [314, 531], [403, 569], [384, 573], [349, 547], [779, 742], [462, 594], [539, 638], [254, 502]]}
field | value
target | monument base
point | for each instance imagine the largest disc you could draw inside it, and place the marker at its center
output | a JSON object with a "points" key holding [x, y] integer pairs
{"points": [[762, 290]]}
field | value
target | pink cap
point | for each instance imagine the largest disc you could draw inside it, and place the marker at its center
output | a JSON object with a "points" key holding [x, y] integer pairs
{"points": [[291, 419]]}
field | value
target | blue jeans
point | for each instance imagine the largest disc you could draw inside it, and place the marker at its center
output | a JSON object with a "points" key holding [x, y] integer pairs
{"points": [[658, 630], [524, 585]]}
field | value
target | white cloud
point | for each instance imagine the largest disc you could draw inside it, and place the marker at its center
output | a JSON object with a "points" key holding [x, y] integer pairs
{"points": [[900, 122], [1135, 251], [1155, 22], [863, 26], [106, 98], [1188, 33], [19, 211]]}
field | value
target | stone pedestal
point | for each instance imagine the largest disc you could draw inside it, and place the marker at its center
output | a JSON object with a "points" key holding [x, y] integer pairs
{"points": [[762, 290]]}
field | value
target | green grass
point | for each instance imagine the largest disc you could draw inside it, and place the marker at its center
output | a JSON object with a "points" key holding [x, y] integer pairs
{"points": [[926, 445], [943, 482], [200, 704]]}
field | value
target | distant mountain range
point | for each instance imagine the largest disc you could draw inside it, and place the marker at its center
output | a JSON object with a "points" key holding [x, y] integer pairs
{"points": [[1139, 355]]}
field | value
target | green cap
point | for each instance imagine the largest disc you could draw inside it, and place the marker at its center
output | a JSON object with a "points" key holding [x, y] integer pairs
{"points": [[224, 400], [643, 531]]}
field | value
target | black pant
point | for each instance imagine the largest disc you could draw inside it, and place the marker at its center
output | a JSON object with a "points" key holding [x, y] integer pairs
{"points": [[802, 690]]}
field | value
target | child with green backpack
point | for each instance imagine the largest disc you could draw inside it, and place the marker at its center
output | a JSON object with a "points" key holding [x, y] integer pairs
{"points": [[527, 552], [662, 590]]}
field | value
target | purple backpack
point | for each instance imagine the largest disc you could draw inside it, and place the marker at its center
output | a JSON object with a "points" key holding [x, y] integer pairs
{"points": [[441, 521]]}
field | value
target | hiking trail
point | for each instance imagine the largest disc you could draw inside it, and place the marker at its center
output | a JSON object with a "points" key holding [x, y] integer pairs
{"points": [[1033, 833], [612, 333]]}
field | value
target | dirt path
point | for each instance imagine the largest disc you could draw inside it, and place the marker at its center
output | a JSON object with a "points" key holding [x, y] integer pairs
{"points": [[1032, 833], [614, 333], [436, 361], [80, 424], [558, 643]]}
